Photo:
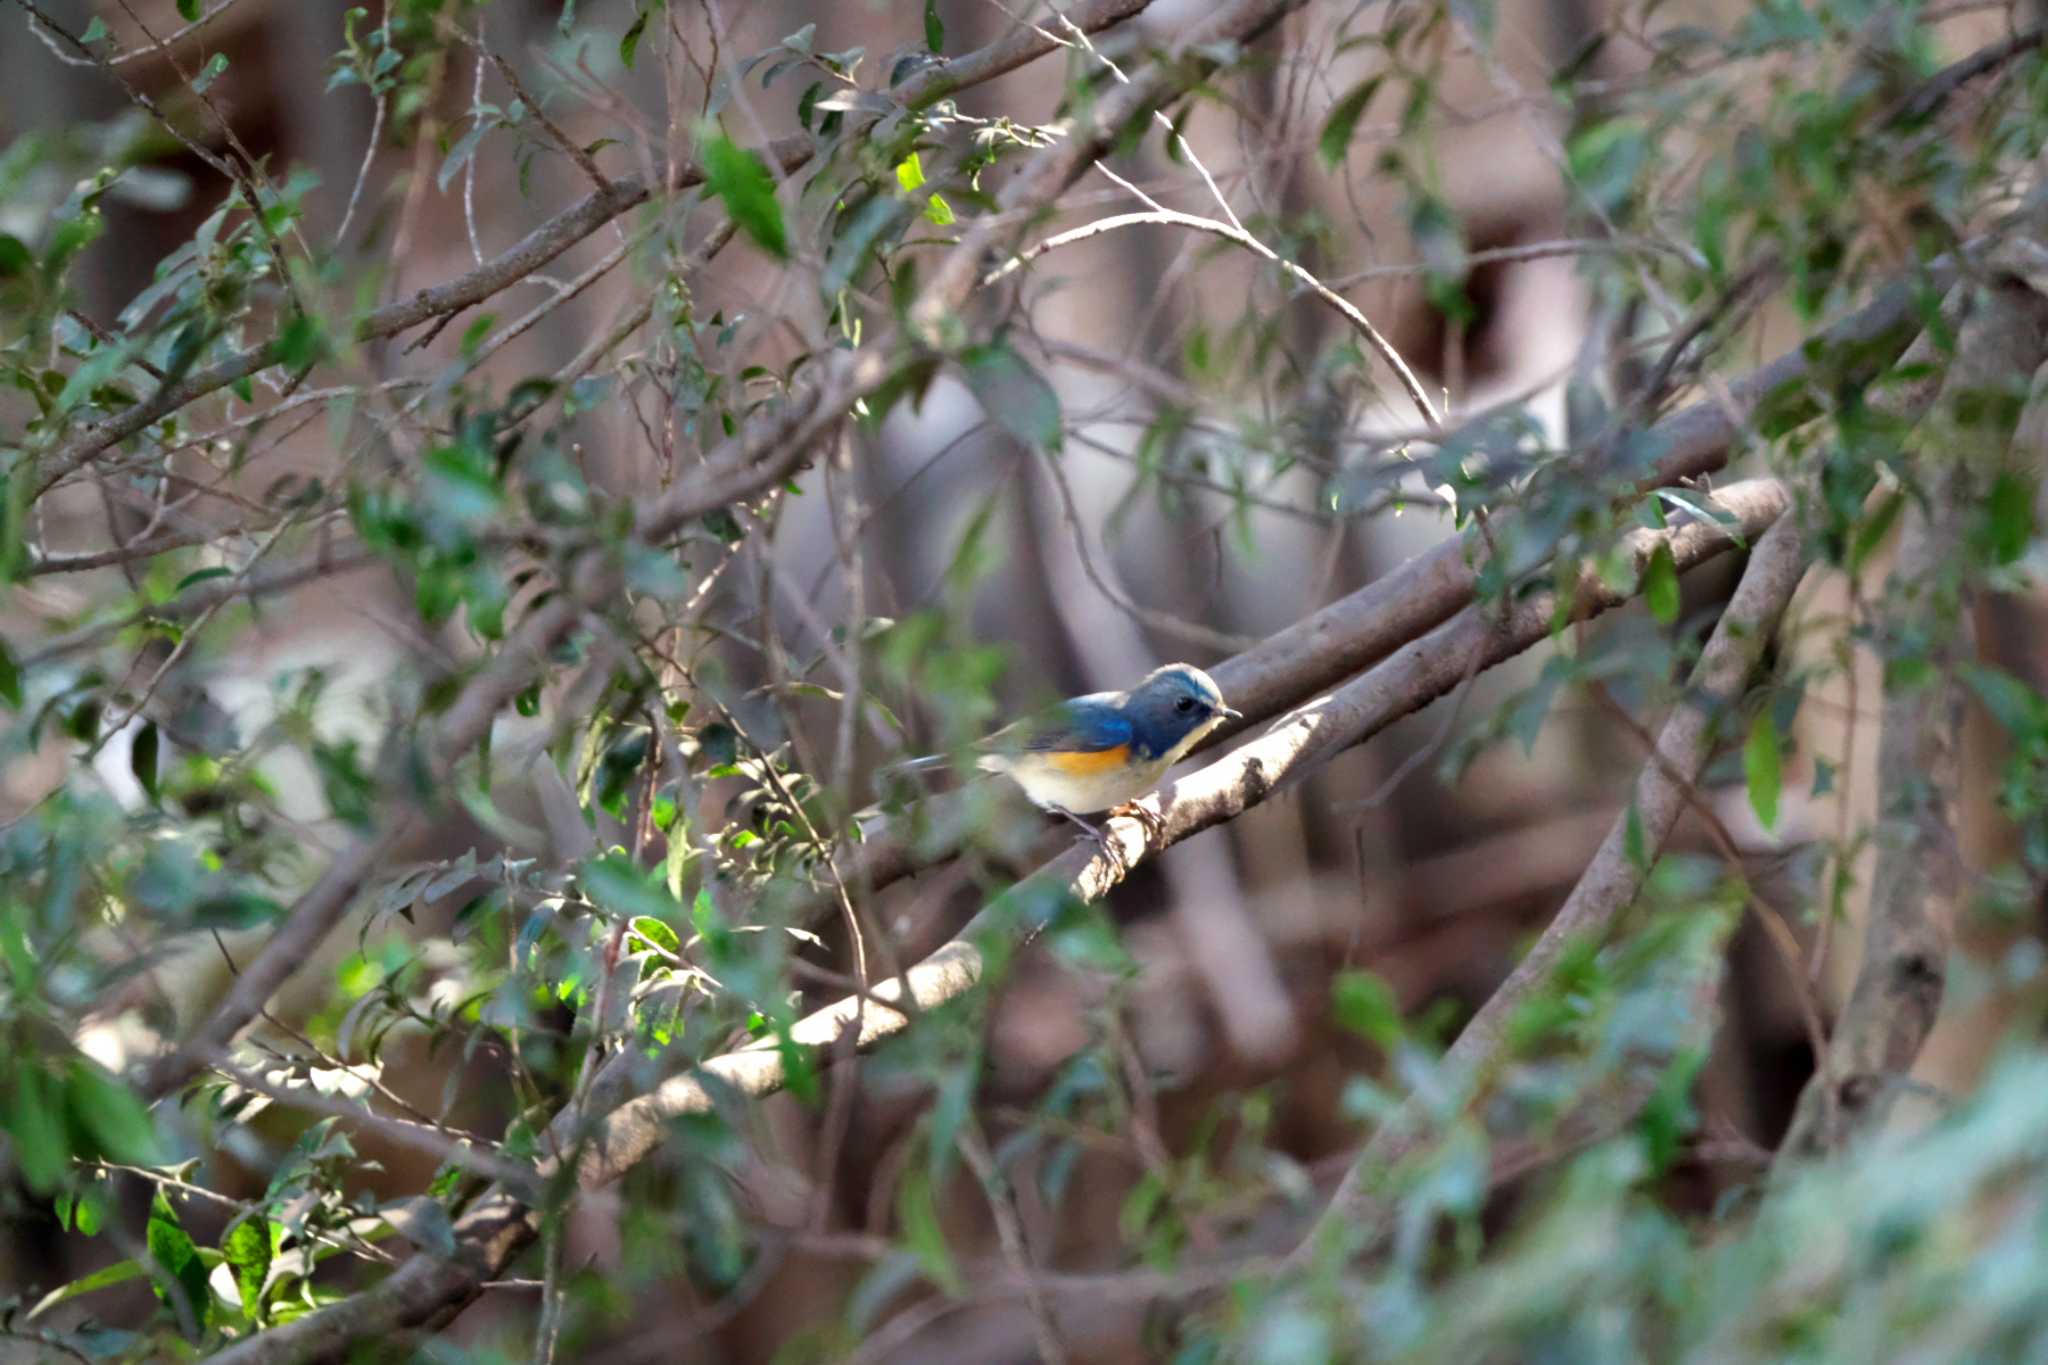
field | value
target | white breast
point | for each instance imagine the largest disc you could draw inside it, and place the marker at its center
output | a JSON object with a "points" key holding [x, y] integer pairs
{"points": [[1082, 793]]}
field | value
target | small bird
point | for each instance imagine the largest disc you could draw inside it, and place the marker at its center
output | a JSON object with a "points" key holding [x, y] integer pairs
{"points": [[1101, 751]]}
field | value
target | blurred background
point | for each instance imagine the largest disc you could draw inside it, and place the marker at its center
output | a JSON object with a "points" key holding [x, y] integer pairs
{"points": [[1208, 406]]}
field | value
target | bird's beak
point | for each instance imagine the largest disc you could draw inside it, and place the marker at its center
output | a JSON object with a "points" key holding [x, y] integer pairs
{"points": [[1228, 714]]}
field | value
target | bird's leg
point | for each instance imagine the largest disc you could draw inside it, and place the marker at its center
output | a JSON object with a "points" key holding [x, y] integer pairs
{"points": [[1100, 834], [1155, 828]]}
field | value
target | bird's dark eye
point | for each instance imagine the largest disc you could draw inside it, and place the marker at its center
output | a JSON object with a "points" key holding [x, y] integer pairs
{"points": [[1184, 705]]}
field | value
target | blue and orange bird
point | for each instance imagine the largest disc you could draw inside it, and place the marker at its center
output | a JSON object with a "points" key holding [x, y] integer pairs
{"points": [[1101, 751]]}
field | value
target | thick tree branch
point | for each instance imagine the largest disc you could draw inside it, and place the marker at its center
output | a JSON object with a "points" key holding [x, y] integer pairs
{"points": [[1613, 878], [1919, 881], [1324, 648]]}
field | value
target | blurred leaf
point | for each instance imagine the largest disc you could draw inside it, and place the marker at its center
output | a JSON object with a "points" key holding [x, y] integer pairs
{"points": [[919, 1212], [1660, 584], [1335, 142], [1872, 531], [1760, 767], [1366, 1004], [1014, 394], [2008, 526], [629, 41], [177, 1256], [934, 29], [740, 179], [10, 678]]}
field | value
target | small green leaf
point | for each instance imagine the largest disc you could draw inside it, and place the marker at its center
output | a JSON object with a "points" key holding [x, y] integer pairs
{"points": [[189, 10], [177, 1256], [210, 73], [910, 172], [1760, 765], [938, 212], [919, 1212], [1872, 532], [247, 1248], [740, 178], [10, 678], [111, 1117], [94, 31], [934, 28], [1335, 142], [1660, 584], [629, 42], [15, 258], [2008, 519], [1016, 396], [120, 1272], [657, 932], [1366, 1005], [201, 576]]}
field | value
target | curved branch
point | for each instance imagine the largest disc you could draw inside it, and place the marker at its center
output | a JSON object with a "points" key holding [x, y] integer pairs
{"points": [[1614, 877], [1215, 227]]}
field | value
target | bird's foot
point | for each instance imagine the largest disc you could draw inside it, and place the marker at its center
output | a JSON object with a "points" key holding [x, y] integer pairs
{"points": [[1100, 834], [1155, 828]]}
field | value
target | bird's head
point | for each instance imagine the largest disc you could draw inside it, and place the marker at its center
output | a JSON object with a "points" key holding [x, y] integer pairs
{"points": [[1174, 707]]}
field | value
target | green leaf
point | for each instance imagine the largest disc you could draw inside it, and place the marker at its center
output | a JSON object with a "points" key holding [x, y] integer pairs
{"points": [[657, 932], [177, 1255], [189, 10], [1872, 532], [1335, 142], [1013, 394], [112, 1117], [201, 576], [1365, 1004], [94, 31], [1660, 584], [210, 73], [740, 178], [910, 172], [15, 258], [247, 1248], [1760, 765], [120, 1272], [10, 678], [142, 758], [35, 1120], [2008, 519], [934, 28], [629, 42], [919, 1212], [938, 212], [617, 883]]}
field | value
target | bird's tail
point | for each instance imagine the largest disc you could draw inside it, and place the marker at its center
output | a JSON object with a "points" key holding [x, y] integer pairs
{"points": [[912, 765]]}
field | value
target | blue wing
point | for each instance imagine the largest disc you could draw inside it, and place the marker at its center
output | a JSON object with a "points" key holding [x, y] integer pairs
{"points": [[1079, 726]]}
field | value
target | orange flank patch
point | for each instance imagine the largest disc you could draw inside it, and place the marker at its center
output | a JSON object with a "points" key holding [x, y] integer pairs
{"points": [[1090, 763]]}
